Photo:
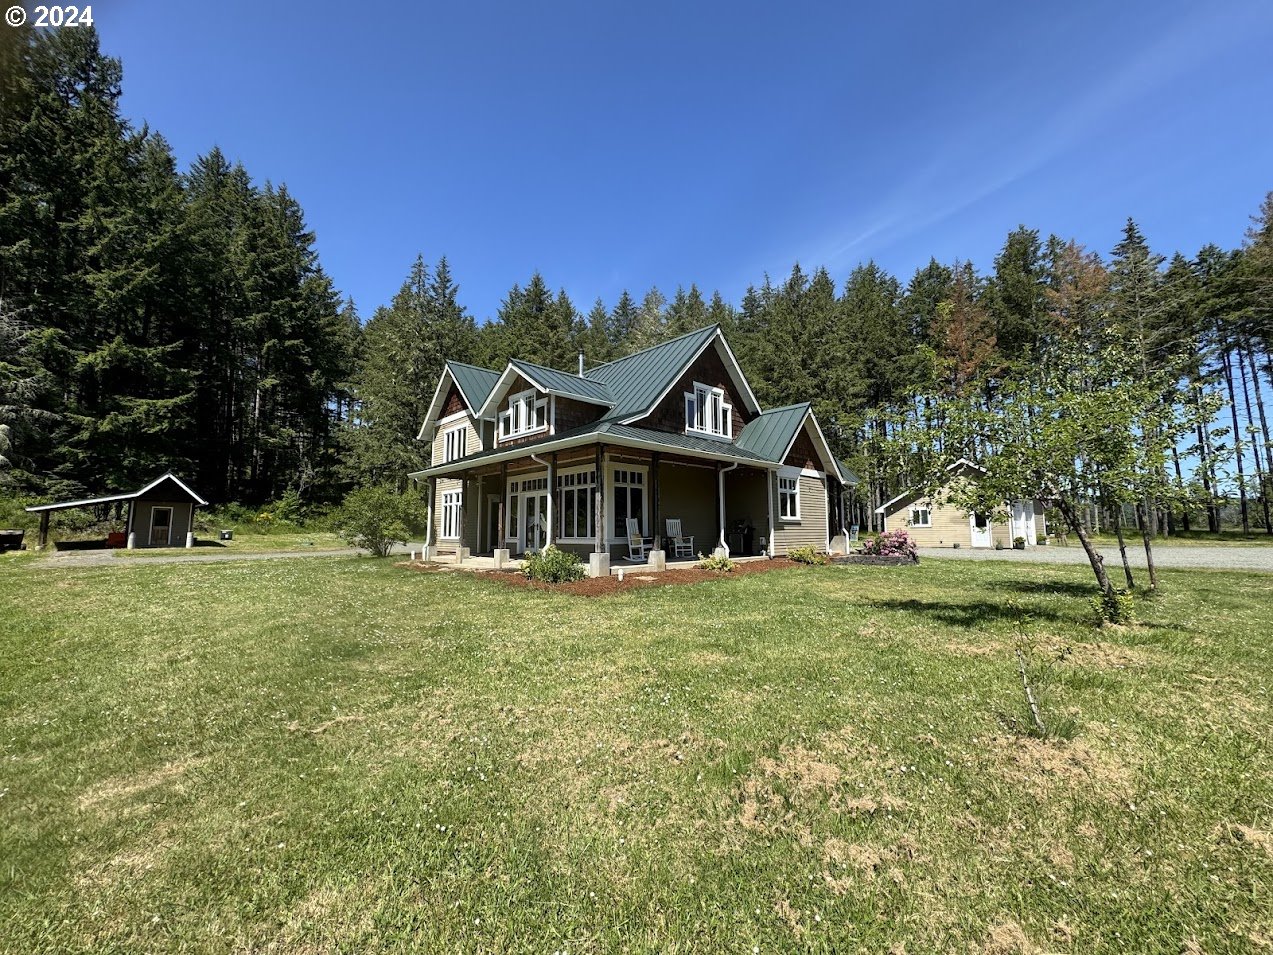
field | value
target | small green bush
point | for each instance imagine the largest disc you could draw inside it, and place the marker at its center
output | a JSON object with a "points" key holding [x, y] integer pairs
{"points": [[717, 562], [807, 555], [553, 566], [376, 518], [1116, 607]]}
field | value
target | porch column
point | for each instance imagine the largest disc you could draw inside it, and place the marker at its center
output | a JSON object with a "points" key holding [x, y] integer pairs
{"points": [[552, 496], [501, 534], [499, 546], [43, 540], [599, 505], [130, 542], [430, 487], [770, 548], [462, 548], [599, 560], [655, 513]]}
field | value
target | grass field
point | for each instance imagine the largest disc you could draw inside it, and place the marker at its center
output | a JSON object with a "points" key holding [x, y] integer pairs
{"points": [[1257, 538], [340, 755], [249, 543]]}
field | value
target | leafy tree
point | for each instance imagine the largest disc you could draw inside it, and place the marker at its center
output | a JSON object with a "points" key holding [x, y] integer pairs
{"points": [[376, 518]]}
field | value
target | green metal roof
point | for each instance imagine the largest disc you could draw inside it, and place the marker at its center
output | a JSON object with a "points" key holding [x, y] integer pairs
{"points": [[602, 431], [564, 383], [475, 383], [636, 381], [769, 434]]}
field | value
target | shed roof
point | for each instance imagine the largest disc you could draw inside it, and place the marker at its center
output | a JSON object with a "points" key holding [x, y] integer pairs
{"points": [[130, 496]]}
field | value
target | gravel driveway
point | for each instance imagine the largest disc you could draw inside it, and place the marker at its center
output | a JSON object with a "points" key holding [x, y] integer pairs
{"points": [[1219, 558]]}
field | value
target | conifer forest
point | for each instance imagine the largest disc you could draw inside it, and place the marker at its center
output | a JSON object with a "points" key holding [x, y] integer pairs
{"points": [[154, 317]]}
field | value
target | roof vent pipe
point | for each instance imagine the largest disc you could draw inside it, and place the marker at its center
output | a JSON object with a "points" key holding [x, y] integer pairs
{"points": [[581, 364]]}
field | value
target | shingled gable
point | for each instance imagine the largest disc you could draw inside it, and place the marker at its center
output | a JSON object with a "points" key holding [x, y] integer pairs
{"points": [[472, 384]]}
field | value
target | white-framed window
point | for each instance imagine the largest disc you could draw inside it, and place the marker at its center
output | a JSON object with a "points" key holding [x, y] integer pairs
{"points": [[527, 413], [454, 442], [629, 500], [921, 517], [451, 503], [576, 495], [789, 497], [707, 412]]}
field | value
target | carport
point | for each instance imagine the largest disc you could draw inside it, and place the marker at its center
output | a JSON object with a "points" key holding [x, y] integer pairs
{"points": [[159, 515]]}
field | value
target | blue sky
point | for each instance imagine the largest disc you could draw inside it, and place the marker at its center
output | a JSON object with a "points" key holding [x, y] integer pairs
{"points": [[628, 145]]}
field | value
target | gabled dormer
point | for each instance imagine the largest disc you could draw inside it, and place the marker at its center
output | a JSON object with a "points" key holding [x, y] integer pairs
{"points": [[530, 401], [691, 385], [452, 426]]}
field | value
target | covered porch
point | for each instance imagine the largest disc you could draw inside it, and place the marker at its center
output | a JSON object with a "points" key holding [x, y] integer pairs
{"points": [[581, 500]]}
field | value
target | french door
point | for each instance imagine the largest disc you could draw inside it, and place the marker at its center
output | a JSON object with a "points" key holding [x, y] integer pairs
{"points": [[534, 532]]}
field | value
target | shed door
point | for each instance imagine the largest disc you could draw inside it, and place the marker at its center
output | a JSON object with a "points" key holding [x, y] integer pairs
{"points": [[160, 526], [979, 524]]}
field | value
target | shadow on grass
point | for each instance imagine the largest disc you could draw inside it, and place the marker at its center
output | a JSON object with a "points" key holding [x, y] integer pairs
{"points": [[974, 613], [1067, 588]]}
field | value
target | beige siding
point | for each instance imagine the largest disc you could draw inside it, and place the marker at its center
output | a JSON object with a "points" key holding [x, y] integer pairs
{"points": [[689, 493], [811, 529], [471, 516], [951, 525], [181, 511], [472, 444]]}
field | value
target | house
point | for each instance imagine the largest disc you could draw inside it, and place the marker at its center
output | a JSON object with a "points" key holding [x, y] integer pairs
{"points": [[933, 522], [161, 514], [531, 456]]}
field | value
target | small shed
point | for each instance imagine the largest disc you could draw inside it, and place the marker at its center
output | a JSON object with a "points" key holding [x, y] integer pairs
{"points": [[159, 515], [934, 523]]}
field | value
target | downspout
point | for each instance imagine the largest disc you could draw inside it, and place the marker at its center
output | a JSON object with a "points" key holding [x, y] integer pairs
{"points": [[769, 494], [552, 493], [720, 476]]}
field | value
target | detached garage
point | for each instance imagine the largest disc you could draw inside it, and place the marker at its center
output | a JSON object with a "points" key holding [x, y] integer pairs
{"points": [[159, 515]]}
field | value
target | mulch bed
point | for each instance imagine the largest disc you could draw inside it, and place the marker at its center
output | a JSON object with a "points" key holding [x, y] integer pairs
{"points": [[633, 577]]}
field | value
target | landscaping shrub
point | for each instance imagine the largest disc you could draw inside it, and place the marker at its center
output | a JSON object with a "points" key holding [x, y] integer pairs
{"points": [[376, 518], [893, 544], [1117, 607], [717, 562], [553, 566], [807, 555]]}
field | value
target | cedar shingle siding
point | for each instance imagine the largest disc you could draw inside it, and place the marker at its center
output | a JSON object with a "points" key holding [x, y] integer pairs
{"points": [[574, 414], [708, 369]]}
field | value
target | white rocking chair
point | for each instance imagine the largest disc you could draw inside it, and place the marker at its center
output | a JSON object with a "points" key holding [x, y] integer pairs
{"points": [[682, 546], [638, 548]]}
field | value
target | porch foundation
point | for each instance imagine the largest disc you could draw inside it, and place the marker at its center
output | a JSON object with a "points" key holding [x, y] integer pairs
{"points": [[598, 565], [501, 557], [658, 560], [462, 554], [839, 544]]}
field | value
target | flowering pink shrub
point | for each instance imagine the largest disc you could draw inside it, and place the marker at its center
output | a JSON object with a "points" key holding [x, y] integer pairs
{"points": [[893, 544]]}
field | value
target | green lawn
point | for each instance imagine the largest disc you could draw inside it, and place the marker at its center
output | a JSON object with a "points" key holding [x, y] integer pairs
{"points": [[340, 755], [246, 543]]}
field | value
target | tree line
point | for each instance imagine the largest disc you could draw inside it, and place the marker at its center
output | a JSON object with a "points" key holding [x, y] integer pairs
{"points": [[155, 319]]}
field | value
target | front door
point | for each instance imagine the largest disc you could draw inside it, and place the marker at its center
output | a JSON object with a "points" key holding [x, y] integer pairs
{"points": [[980, 527], [160, 526], [535, 521], [492, 522]]}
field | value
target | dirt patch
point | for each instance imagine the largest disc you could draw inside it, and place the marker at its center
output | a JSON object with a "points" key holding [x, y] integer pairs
{"points": [[1107, 656], [1040, 766], [119, 789], [843, 861], [610, 586], [322, 728], [1242, 835], [1007, 938], [790, 916]]}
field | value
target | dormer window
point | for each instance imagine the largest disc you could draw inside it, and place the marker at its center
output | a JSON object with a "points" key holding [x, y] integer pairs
{"points": [[527, 413], [708, 413]]}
